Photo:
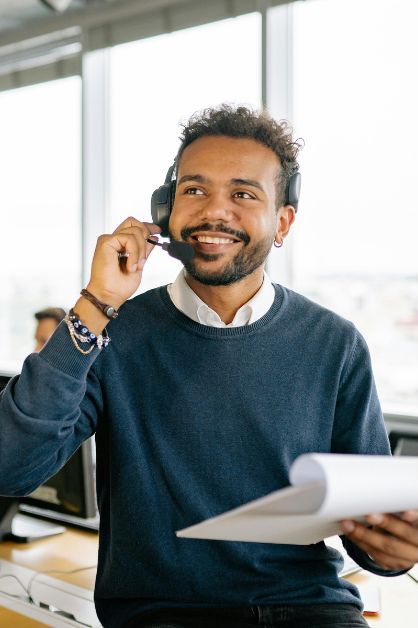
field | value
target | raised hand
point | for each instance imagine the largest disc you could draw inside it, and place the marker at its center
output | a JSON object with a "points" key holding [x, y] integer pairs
{"points": [[114, 279]]}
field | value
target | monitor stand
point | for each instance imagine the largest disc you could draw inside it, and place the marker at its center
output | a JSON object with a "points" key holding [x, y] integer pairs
{"points": [[20, 528]]}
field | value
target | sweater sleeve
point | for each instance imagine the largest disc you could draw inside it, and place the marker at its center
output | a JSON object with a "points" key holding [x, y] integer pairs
{"points": [[46, 412], [359, 427]]}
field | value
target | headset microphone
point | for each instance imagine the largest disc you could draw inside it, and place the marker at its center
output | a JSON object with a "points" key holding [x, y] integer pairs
{"points": [[180, 250]]}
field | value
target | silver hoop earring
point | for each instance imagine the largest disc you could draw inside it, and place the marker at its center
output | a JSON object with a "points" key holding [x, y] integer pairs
{"points": [[278, 246]]}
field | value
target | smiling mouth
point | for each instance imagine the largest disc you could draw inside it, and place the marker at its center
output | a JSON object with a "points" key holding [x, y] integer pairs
{"points": [[213, 239]]}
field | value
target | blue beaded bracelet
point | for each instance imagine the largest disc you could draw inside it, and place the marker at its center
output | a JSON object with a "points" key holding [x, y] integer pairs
{"points": [[80, 331]]}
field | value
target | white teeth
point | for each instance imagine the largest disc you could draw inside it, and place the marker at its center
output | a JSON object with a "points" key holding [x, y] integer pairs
{"points": [[210, 240]]}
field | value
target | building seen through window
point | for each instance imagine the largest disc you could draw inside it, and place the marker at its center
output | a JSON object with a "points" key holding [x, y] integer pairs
{"points": [[354, 241]]}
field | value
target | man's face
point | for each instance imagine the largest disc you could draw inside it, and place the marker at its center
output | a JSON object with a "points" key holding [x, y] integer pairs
{"points": [[43, 331], [225, 207]]}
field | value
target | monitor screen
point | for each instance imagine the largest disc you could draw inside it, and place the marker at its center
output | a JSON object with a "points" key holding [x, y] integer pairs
{"points": [[404, 443], [69, 495]]}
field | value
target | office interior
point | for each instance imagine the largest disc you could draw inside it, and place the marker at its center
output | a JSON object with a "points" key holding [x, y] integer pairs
{"points": [[92, 93]]}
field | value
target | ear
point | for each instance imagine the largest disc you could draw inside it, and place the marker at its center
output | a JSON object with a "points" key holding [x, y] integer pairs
{"points": [[285, 218]]}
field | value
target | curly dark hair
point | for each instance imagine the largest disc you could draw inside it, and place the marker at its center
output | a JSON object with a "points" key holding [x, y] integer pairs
{"points": [[243, 122]]}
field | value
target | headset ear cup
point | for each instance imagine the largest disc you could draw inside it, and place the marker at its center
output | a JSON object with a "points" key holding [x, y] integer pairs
{"points": [[162, 200], [172, 194], [161, 204], [293, 191]]}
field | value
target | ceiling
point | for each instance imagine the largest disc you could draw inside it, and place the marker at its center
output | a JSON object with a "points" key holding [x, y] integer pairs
{"points": [[107, 22], [16, 14]]}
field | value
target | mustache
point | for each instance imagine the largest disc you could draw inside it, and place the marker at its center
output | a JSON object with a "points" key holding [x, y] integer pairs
{"points": [[221, 228]]}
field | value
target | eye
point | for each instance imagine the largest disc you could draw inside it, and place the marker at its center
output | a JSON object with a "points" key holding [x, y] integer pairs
{"points": [[196, 191], [245, 195]]}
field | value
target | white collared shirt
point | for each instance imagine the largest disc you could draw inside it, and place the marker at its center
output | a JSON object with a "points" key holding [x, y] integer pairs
{"points": [[192, 306]]}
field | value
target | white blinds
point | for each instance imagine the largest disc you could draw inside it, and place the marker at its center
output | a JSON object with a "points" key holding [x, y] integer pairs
{"points": [[51, 48], [44, 58]]}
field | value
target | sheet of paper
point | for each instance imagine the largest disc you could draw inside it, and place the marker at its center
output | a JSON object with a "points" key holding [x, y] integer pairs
{"points": [[357, 485], [327, 488]]}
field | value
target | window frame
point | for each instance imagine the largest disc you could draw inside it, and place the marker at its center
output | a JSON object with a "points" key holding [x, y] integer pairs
{"points": [[82, 49]]}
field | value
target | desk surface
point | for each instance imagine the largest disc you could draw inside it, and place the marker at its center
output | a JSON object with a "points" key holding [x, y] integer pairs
{"points": [[399, 600], [65, 552], [75, 549]]}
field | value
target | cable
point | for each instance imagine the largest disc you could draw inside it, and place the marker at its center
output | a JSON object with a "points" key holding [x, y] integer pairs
{"points": [[31, 600], [12, 575], [54, 571], [413, 577]]}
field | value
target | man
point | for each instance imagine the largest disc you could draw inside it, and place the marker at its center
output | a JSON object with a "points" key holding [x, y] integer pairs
{"points": [[48, 319], [208, 391]]}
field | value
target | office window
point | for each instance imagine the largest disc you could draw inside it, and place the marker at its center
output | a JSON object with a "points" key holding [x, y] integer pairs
{"points": [[355, 103], [40, 220], [154, 84]]}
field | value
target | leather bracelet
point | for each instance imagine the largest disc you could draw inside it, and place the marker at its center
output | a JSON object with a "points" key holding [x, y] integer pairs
{"points": [[107, 310]]}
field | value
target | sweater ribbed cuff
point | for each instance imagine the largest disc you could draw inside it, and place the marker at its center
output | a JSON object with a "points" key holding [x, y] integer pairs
{"points": [[61, 353]]}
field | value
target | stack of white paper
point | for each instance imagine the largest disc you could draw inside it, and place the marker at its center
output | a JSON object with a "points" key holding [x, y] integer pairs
{"points": [[326, 488]]}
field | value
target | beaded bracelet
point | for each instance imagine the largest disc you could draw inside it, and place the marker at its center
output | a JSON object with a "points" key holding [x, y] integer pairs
{"points": [[83, 334], [80, 332]]}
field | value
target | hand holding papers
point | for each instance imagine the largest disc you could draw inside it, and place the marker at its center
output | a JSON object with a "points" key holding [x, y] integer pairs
{"points": [[326, 488]]}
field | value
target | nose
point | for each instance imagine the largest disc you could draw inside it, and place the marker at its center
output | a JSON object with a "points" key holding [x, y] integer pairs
{"points": [[217, 208]]}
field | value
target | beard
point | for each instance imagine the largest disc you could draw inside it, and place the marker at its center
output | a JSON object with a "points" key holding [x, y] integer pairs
{"points": [[246, 261]]}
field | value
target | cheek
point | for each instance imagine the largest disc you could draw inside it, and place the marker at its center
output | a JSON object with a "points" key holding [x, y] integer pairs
{"points": [[174, 224], [264, 225], [180, 217]]}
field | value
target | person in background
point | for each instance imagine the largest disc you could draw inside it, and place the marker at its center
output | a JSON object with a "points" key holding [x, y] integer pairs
{"points": [[48, 320]]}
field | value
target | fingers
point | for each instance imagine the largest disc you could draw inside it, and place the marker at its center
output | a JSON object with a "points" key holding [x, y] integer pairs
{"points": [[130, 238], [411, 516], [133, 222], [114, 279], [399, 525], [133, 246], [392, 542]]}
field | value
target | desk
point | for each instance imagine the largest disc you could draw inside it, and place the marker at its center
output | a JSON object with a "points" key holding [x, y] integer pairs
{"points": [[66, 552], [75, 549], [399, 597]]}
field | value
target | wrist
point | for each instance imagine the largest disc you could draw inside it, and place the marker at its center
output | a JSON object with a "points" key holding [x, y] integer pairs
{"points": [[107, 309], [105, 296], [91, 316]]}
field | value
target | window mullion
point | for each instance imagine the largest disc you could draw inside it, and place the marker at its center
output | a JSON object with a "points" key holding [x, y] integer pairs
{"points": [[96, 152], [279, 100]]}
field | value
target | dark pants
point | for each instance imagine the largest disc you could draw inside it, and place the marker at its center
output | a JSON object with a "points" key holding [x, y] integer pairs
{"points": [[283, 616]]}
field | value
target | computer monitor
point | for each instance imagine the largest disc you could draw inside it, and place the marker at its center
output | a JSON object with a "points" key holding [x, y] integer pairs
{"points": [[67, 497], [404, 443]]}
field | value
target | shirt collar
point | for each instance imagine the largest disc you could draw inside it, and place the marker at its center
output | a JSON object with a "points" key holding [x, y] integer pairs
{"points": [[192, 306]]}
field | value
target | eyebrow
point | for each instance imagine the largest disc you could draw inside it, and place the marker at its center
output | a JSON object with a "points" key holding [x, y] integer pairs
{"points": [[251, 182], [193, 177], [201, 179]]}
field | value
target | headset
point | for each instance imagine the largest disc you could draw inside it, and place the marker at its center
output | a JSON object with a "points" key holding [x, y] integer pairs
{"points": [[162, 198]]}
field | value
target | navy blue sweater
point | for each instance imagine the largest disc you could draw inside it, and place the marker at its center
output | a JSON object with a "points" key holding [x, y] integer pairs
{"points": [[192, 421]]}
